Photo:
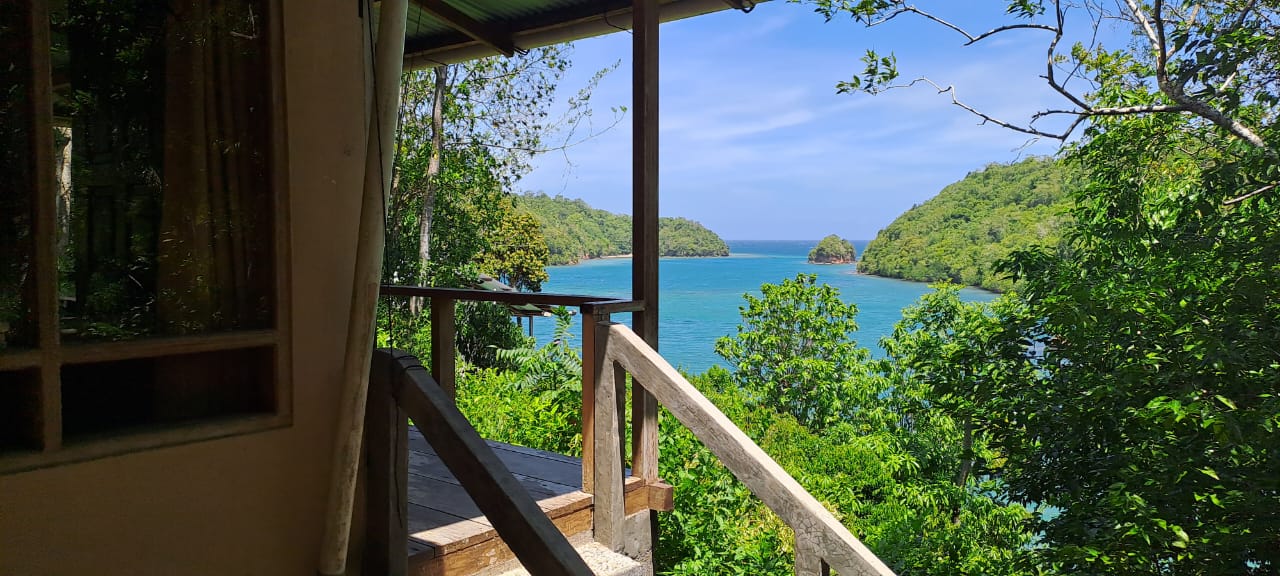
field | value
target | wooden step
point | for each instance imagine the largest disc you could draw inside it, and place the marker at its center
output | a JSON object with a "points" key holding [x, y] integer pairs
{"points": [[601, 560]]}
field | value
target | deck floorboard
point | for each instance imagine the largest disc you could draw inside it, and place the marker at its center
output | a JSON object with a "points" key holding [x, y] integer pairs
{"points": [[442, 517]]}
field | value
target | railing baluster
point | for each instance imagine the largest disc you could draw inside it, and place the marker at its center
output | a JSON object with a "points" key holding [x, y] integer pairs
{"points": [[590, 367], [607, 466], [443, 335]]}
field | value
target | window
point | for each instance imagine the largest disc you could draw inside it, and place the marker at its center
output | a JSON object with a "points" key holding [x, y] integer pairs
{"points": [[143, 251]]}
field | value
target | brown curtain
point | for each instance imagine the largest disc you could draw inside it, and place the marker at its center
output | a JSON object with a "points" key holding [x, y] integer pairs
{"points": [[214, 268], [213, 259]]}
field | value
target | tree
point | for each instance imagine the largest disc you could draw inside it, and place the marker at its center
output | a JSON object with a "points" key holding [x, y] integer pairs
{"points": [[1159, 374], [795, 350], [517, 252], [1148, 421], [833, 249], [489, 115], [1207, 60]]}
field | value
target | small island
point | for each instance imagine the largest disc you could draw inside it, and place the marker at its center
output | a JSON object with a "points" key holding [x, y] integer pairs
{"points": [[833, 250]]}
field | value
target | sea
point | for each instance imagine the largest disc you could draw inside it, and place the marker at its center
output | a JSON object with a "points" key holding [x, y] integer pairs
{"points": [[700, 297]]}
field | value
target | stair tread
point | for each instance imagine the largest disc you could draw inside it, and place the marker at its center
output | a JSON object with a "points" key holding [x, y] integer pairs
{"points": [[602, 561]]}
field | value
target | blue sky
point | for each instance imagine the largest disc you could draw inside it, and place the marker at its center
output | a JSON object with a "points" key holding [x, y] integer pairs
{"points": [[756, 144]]}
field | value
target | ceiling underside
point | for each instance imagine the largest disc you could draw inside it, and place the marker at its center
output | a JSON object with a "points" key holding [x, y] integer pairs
{"points": [[450, 31]]}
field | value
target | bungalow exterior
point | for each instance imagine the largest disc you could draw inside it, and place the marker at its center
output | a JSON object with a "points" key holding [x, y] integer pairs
{"points": [[185, 313]]}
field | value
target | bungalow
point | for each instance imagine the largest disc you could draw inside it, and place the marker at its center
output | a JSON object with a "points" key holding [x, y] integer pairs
{"points": [[189, 245]]}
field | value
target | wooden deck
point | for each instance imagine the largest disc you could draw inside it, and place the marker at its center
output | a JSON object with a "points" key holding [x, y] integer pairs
{"points": [[447, 532]]}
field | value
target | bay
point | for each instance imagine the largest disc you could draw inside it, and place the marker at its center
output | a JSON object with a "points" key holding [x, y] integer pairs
{"points": [[700, 297]]}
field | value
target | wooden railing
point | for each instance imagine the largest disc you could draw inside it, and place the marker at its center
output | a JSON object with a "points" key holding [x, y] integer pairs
{"points": [[401, 389], [822, 542], [609, 352], [593, 310]]}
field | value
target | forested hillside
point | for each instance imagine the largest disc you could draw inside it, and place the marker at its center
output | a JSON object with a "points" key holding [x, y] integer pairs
{"points": [[963, 231], [575, 231]]}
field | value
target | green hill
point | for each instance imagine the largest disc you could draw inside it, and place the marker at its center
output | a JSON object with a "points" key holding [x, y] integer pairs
{"points": [[970, 225], [575, 231], [833, 250]]}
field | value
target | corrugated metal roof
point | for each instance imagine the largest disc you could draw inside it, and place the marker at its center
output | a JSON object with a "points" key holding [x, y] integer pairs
{"points": [[530, 23]]}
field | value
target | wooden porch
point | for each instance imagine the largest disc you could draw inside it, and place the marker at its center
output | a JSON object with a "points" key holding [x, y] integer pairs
{"points": [[448, 534], [539, 507]]}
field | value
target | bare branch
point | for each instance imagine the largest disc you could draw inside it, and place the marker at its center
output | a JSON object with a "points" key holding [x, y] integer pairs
{"points": [[1239, 199], [969, 38]]}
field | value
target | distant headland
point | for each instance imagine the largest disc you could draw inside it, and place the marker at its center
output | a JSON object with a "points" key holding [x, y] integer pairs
{"points": [[575, 231]]}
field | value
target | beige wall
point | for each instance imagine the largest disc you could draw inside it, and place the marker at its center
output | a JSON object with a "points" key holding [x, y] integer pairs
{"points": [[251, 504]]}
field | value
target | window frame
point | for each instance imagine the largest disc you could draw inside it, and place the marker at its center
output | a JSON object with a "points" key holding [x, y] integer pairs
{"points": [[49, 355]]}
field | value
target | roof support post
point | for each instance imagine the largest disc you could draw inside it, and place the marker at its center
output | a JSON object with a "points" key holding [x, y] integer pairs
{"points": [[644, 229], [379, 155]]}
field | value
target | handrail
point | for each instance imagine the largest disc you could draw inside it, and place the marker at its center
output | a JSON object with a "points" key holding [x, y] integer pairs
{"points": [[594, 309], [516, 517], [818, 532], [517, 298]]}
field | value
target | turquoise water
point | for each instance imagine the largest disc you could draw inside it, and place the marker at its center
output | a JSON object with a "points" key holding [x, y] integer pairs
{"points": [[700, 296]]}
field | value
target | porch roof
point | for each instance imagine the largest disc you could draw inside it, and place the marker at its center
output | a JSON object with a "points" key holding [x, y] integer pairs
{"points": [[451, 31]]}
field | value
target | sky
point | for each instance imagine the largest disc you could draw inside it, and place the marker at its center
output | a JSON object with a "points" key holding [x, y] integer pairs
{"points": [[756, 144]]}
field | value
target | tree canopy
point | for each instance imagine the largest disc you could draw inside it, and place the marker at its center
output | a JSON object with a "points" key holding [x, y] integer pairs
{"points": [[575, 231], [970, 225], [833, 250]]}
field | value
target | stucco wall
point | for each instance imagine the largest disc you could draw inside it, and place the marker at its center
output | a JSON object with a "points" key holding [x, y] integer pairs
{"points": [[249, 504]]}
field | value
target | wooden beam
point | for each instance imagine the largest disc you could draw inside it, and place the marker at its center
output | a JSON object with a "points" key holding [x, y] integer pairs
{"points": [[521, 524], [601, 304], [45, 230], [661, 496], [483, 33], [386, 547], [644, 230]]}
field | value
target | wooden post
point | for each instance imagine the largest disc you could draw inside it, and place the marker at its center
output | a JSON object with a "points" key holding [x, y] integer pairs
{"points": [[591, 365], [444, 356], [386, 479], [45, 296], [607, 487], [379, 156], [644, 234]]}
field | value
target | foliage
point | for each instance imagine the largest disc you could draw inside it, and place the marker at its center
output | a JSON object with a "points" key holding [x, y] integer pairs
{"points": [[970, 225], [555, 368], [1160, 373], [833, 249], [517, 252], [794, 350], [1211, 61], [890, 466], [501, 410], [575, 231]]}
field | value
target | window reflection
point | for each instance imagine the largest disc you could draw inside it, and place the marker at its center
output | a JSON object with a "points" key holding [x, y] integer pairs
{"points": [[161, 137], [17, 326]]}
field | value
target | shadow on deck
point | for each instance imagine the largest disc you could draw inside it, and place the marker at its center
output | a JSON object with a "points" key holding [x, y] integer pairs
{"points": [[447, 532]]}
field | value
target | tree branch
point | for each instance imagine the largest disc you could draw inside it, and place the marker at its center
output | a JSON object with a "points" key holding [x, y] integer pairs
{"points": [[970, 38]]}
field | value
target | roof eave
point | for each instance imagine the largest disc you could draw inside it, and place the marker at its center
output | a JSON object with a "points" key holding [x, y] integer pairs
{"points": [[568, 31]]}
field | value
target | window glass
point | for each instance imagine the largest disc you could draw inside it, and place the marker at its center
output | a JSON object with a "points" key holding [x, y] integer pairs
{"points": [[17, 326], [162, 140]]}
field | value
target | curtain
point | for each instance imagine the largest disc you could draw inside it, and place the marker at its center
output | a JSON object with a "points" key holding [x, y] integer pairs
{"points": [[214, 265]]}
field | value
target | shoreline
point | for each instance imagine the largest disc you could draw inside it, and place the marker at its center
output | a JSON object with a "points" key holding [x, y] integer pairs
{"points": [[987, 290]]}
